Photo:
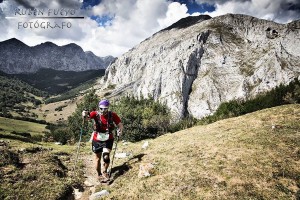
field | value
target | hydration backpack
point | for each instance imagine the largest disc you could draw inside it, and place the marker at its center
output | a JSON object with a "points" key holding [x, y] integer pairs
{"points": [[98, 123]]}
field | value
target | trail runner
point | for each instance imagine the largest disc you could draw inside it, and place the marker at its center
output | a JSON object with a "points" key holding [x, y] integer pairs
{"points": [[102, 136]]}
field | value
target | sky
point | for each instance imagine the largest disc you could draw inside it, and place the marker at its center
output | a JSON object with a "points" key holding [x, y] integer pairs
{"points": [[112, 27]]}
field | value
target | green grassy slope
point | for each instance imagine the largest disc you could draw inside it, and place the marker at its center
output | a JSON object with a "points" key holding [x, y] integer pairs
{"points": [[236, 158], [16, 131]]}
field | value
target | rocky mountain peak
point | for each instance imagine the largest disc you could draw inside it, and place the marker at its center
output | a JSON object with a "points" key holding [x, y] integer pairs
{"points": [[17, 57], [72, 45], [47, 44], [188, 21], [13, 42], [195, 68]]}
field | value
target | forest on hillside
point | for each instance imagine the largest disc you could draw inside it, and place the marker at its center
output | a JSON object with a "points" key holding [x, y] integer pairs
{"points": [[56, 82], [14, 93], [21, 92]]}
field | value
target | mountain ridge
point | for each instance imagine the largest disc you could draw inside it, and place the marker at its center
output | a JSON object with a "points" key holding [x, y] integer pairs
{"points": [[187, 21], [17, 57]]}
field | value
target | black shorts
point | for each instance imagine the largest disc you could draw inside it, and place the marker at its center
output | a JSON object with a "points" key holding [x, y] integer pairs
{"points": [[97, 146]]}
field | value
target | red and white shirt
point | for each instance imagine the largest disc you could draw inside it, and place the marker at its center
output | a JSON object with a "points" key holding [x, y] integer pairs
{"points": [[104, 122]]}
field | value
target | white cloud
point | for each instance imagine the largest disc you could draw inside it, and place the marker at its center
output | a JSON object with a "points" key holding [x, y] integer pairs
{"points": [[132, 20], [175, 12], [281, 11], [130, 28], [47, 3]]}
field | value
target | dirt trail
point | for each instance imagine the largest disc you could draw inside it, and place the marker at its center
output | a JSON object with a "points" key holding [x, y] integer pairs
{"points": [[91, 181]]}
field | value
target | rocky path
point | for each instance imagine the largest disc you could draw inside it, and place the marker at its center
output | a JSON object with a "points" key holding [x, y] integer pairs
{"points": [[91, 181]]}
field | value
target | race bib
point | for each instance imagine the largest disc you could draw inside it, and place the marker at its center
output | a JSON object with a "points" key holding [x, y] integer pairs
{"points": [[102, 136]]}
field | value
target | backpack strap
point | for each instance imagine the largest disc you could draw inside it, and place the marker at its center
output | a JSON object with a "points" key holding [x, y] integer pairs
{"points": [[110, 122], [98, 122]]}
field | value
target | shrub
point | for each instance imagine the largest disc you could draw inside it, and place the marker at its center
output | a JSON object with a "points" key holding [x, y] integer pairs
{"points": [[183, 124], [8, 157], [60, 134], [60, 108], [142, 118], [278, 96], [24, 134]]}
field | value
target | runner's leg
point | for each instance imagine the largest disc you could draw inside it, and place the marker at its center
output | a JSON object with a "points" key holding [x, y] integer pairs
{"points": [[106, 152], [98, 163]]}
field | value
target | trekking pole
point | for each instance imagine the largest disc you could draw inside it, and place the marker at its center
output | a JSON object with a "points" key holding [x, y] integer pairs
{"points": [[78, 148], [112, 160]]}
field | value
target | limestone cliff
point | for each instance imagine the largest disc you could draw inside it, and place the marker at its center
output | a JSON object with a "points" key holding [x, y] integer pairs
{"points": [[199, 62]]}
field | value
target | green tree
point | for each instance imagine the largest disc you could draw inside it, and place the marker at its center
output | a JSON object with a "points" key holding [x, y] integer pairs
{"points": [[75, 121], [142, 118]]}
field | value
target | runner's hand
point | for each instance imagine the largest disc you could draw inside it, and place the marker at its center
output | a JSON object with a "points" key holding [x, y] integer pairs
{"points": [[119, 133], [84, 114]]}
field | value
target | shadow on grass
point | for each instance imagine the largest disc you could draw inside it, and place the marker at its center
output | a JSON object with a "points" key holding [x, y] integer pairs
{"points": [[121, 169], [138, 157]]}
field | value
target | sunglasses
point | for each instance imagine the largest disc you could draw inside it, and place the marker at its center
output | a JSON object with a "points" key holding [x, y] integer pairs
{"points": [[103, 108]]}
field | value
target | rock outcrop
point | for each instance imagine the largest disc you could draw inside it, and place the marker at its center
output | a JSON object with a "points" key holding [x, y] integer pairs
{"points": [[194, 67]]}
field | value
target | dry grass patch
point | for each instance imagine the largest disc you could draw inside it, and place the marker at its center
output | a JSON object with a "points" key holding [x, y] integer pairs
{"points": [[50, 112], [31, 169], [237, 158], [37, 173]]}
